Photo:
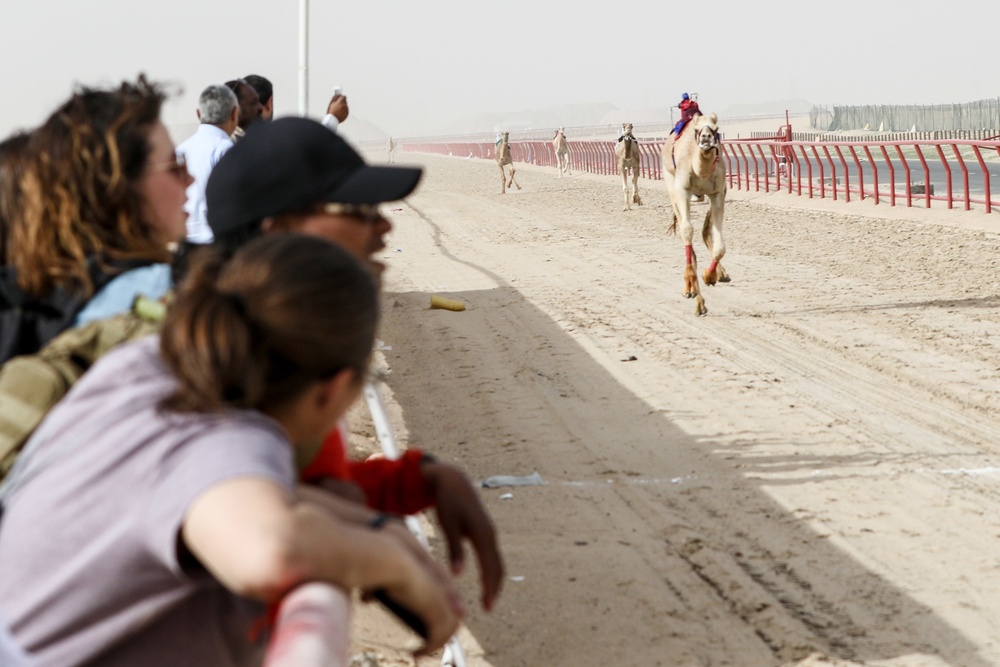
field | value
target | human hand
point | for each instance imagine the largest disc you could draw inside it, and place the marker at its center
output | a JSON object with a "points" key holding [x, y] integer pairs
{"points": [[427, 594], [462, 517], [343, 489], [338, 107]]}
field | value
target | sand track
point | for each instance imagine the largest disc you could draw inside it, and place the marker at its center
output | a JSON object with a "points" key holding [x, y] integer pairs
{"points": [[807, 475]]}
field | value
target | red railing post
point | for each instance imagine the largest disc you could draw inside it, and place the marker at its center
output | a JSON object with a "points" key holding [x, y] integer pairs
{"points": [[809, 168], [861, 176], [965, 176], [906, 168], [833, 171], [927, 176], [986, 179], [947, 172], [871, 161], [847, 175]]}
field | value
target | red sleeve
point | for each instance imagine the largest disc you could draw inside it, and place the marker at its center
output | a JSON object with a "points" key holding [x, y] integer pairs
{"points": [[331, 461], [396, 486]]}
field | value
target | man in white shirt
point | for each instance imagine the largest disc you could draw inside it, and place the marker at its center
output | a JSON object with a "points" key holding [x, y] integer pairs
{"points": [[219, 113]]}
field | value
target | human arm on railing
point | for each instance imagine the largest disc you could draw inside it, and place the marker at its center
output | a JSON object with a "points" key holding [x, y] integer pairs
{"points": [[410, 484], [258, 542]]}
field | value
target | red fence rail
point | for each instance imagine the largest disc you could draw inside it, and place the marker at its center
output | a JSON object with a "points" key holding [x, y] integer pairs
{"points": [[912, 171]]}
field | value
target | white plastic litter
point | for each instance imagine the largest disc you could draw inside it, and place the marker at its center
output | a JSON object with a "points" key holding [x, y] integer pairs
{"points": [[497, 481]]}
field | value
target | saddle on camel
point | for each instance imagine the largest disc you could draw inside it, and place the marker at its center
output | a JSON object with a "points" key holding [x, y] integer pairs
{"points": [[689, 109], [693, 165]]}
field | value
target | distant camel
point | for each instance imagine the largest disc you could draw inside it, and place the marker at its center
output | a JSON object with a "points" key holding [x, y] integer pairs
{"points": [[561, 147], [694, 166], [627, 151], [391, 147], [503, 159]]}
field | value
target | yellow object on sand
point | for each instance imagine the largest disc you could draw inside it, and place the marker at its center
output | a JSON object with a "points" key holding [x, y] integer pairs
{"points": [[447, 304]]}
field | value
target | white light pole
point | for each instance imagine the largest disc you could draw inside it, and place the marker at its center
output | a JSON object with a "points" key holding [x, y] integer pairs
{"points": [[303, 57]]}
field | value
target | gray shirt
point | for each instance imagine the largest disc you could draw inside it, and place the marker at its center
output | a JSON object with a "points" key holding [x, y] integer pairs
{"points": [[94, 570]]}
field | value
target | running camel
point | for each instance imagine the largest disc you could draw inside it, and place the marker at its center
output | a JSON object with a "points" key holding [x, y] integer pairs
{"points": [[693, 165], [503, 159], [561, 147], [627, 152]]}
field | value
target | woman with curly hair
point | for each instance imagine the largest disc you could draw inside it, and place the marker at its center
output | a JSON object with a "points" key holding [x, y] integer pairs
{"points": [[100, 205]]}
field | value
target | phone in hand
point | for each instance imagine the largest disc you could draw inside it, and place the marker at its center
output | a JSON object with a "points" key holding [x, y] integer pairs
{"points": [[411, 620], [337, 90]]}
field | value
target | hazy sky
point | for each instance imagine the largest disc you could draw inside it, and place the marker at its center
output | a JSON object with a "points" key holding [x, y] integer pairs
{"points": [[411, 66]]}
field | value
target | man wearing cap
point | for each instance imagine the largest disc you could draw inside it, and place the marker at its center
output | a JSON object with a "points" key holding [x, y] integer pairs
{"points": [[294, 175], [218, 115]]}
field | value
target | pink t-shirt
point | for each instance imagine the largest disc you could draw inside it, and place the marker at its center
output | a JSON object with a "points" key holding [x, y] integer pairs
{"points": [[93, 568]]}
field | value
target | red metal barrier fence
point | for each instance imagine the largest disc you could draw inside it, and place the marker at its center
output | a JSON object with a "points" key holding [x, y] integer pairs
{"points": [[910, 170]]}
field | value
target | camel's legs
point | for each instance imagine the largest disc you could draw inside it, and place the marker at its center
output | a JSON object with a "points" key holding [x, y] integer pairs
{"points": [[512, 177], [711, 233], [628, 201], [635, 186], [682, 205], [503, 179]]}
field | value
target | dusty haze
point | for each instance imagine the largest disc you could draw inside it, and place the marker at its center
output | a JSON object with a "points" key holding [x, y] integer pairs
{"points": [[418, 68]]}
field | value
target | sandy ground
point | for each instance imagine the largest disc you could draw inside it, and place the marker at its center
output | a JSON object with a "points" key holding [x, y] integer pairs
{"points": [[808, 475]]}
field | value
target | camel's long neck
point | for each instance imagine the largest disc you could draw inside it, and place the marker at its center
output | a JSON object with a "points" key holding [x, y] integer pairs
{"points": [[629, 143], [707, 160]]}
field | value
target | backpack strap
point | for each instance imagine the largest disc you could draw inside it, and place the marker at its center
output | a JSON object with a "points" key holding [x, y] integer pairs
{"points": [[27, 323]]}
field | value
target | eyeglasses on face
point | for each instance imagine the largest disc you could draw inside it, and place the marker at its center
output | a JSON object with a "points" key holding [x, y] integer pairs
{"points": [[369, 213], [177, 167]]}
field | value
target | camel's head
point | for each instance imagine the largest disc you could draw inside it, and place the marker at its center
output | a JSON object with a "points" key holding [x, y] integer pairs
{"points": [[706, 130], [505, 135], [626, 128]]}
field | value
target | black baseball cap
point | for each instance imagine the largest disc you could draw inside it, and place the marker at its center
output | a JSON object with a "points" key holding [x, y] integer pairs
{"points": [[290, 164]]}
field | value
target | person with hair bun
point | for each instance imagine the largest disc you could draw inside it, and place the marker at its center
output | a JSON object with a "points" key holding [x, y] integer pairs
{"points": [[155, 511]]}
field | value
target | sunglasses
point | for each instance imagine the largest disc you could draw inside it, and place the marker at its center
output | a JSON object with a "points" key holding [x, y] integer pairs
{"points": [[177, 167], [369, 213]]}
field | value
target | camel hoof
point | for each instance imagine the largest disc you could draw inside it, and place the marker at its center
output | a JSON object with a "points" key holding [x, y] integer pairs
{"points": [[711, 277], [690, 295], [699, 307], [724, 279]]}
